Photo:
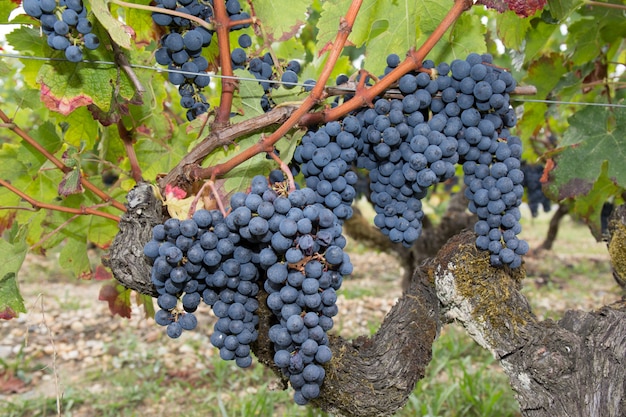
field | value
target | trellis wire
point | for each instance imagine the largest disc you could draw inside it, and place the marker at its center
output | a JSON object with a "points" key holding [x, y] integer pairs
{"points": [[298, 84]]}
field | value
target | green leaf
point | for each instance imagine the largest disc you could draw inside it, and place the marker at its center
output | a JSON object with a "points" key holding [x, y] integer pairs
{"points": [[466, 36], [81, 128], [560, 9], [120, 33], [74, 257], [589, 207], [594, 137], [13, 254], [6, 8], [249, 102], [542, 40], [512, 29], [281, 20], [148, 304], [70, 184], [11, 301], [143, 27]]}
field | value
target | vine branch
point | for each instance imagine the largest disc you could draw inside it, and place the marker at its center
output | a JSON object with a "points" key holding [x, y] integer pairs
{"points": [[128, 141], [163, 10], [412, 62], [46, 206], [345, 27], [222, 23], [58, 163]]}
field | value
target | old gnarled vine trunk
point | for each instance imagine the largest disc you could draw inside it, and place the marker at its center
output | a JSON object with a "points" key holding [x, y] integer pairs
{"points": [[574, 367]]}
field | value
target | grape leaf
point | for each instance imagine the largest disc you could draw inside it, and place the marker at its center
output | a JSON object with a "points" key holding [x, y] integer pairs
{"points": [[11, 301], [118, 298], [120, 33], [13, 254], [148, 304], [512, 29], [589, 208], [6, 7], [143, 28], [66, 85], [74, 257], [281, 20], [385, 27], [595, 136], [560, 9], [465, 37]]}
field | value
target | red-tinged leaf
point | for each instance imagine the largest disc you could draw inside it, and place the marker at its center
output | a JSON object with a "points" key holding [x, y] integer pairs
{"points": [[63, 105], [102, 274], [11, 384], [523, 8], [7, 314], [70, 184], [118, 298], [11, 301], [7, 221]]}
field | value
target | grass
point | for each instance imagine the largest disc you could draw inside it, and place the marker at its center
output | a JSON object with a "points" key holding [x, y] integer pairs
{"points": [[462, 380]]}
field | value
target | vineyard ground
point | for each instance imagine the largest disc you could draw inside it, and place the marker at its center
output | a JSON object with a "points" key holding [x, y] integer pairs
{"points": [[69, 351]]}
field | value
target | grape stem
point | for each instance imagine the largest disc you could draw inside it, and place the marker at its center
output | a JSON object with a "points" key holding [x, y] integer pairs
{"points": [[163, 10], [222, 29], [285, 169], [211, 185], [412, 62], [122, 61], [46, 206], [345, 27], [59, 164], [128, 141]]}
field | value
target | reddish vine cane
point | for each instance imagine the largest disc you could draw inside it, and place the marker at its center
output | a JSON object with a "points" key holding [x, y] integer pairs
{"points": [[59, 164], [364, 95]]}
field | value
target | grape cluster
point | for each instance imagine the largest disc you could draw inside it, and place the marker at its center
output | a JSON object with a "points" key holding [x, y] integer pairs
{"points": [[285, 240], [325, 158], [66, 25], [446, 115], [201, 259], [534, 192], [264, 69], [181, 51]]}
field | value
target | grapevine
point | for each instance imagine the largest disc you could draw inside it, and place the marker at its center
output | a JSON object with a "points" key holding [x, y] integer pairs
{"points": [[257, 160]]}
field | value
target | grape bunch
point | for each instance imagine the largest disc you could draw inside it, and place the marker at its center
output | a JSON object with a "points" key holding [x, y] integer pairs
{"points": [[325, 158], [181, 51], [264, 69], [282, 239], [300, 254], [201, 259], [534, 192], [65, 24], [446, 115]]}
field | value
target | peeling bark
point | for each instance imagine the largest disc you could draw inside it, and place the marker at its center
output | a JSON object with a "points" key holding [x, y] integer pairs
{"points": [[125, 257], [573, 367]]}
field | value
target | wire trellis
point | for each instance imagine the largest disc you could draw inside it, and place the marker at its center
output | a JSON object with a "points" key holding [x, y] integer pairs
{"points": [[297, 84]]}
